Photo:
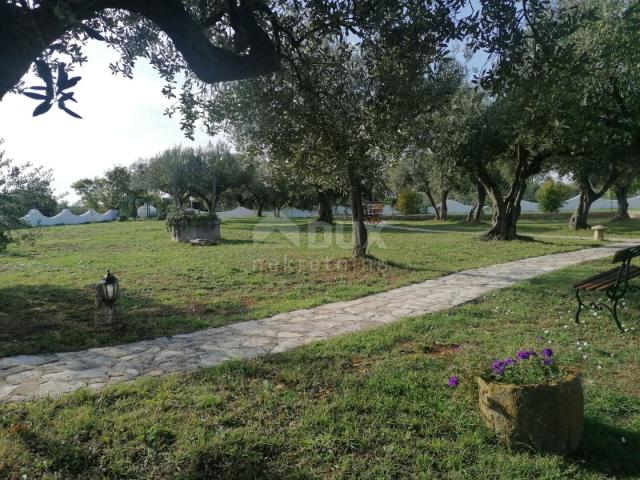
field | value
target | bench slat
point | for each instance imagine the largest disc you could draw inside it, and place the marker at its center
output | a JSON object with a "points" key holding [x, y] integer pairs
{"points": [[606, 279]]}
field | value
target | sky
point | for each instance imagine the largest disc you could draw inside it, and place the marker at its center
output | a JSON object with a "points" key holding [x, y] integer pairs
{"points": [[122, 121]]}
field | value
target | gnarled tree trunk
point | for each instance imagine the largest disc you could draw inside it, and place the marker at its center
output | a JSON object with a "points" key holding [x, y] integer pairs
{"points": [[360, 237], [579, 219], [622, 192], [506, 210]]}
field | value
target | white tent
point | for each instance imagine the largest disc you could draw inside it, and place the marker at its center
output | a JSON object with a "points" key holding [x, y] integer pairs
{"points": [[295, 213], [109, 216], [600, 204], [526, 206], [35, 218], [65, 217], [634, 202], [147, 211], [239, 212], [454, 207]]}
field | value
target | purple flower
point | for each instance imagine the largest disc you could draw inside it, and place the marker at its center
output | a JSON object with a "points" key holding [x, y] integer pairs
{"points": [[498, 367], [454, 381], [547, 352], [548, 361], [525, 354]]}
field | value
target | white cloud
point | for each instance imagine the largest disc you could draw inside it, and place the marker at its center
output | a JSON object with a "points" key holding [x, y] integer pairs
{"points": [[123, 120]]}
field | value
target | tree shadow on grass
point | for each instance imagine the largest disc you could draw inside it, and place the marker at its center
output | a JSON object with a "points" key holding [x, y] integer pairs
{"points": [[37, 319], [237, 460], [64, 458], [609, 450]]}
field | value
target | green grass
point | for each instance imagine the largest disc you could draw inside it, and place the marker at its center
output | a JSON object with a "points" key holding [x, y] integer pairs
{"points": [[47, 295], [371, 405], [539, 226]]}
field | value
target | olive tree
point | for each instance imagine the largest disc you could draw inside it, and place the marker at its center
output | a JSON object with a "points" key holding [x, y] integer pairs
{"points": [[20, 185]]}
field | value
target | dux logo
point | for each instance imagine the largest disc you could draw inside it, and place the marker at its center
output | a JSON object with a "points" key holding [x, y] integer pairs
{"points": [[279, 226], [318, 235]]}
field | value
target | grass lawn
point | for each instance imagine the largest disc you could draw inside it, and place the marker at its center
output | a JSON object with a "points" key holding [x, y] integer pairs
{"points": [[538, 226], [46, 290], [371, 405]]}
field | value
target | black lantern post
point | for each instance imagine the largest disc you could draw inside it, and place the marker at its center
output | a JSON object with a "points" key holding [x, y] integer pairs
{"points": [[106, 297], [109, 288]]}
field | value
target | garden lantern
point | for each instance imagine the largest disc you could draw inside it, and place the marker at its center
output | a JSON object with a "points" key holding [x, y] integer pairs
{"points": [[109, 288]]}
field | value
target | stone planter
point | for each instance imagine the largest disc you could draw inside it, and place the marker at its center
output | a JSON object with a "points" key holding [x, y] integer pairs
{"points": [[544, 417], [206, 228]]}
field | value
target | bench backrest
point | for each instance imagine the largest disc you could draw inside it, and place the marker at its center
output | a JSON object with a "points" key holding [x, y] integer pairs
{"points": [[626, 254]]}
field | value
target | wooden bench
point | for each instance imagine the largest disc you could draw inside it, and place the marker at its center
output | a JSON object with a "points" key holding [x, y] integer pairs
{"points": [[614, 283], [373, 212]]}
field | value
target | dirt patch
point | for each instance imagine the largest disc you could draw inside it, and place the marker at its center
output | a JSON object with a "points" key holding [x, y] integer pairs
{"points": [[624, 379]]}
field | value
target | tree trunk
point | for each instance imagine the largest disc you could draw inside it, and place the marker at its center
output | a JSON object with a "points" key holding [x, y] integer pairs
{"points": [[579, 219], [506, 210], [360, 239], [324, 212], [622, 191], [444, 209], [504, 223], [260, 207], [432, 201], [475, 214]]}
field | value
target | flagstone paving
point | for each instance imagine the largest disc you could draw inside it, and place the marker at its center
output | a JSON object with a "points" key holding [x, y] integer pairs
{"points": [[27, 377]]}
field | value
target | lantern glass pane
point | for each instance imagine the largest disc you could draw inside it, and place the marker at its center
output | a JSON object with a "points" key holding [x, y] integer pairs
{"points": [[110, 291]]}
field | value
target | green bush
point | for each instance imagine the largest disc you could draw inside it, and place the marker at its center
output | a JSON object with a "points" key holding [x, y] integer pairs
{"points": [[409, 202], [551, 195], [178, 218]]}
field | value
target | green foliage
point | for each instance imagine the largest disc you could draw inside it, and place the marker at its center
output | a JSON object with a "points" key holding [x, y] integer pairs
{"points": [[409, 202], [22, 187], [113, 190], [205, 173], [177, 218], [552, 194]]}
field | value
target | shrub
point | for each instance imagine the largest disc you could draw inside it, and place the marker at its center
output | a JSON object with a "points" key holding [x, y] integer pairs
{"points": [[551, 195], [176, 219], [409, 202]]}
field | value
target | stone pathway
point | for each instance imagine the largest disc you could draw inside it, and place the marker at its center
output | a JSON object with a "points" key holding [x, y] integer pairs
{"points": [[26, 377]]}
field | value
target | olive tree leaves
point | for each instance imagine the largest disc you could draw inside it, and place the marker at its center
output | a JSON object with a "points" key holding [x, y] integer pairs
{"points": [[52, 92]]}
